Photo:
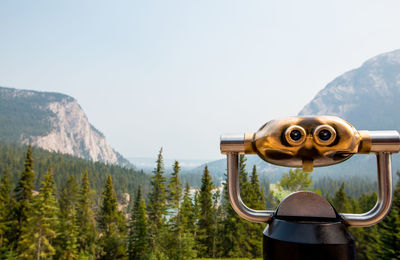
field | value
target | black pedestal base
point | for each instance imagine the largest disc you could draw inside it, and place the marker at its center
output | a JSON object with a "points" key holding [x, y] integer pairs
{"points": [[307, 239]]}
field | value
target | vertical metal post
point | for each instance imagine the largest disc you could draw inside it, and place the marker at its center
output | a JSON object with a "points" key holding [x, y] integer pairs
{"points": [[234, 193]]}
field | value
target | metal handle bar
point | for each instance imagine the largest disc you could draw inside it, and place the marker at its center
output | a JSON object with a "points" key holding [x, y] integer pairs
{"points": [[383, 143]]}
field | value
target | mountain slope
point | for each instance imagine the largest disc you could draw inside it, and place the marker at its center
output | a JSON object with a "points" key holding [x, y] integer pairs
{"points": [[368, 97], [54, 122], [125, 180]]}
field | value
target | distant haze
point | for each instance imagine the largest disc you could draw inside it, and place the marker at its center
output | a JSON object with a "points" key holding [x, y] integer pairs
{"points": [[148, 164], [177, 74]]}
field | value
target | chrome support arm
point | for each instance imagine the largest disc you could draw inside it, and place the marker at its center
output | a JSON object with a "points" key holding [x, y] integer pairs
{"points": [[385, 196], [234, 193], [382, 143]]}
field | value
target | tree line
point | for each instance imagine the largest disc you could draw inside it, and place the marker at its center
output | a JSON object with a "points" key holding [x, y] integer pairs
{"points": [[125, 180], [175, 223]]}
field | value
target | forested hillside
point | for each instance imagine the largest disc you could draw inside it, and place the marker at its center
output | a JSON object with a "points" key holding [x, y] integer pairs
{"points": [[126, 180]]}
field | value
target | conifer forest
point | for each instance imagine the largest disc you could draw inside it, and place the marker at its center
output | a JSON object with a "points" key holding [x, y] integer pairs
{"points": [[103, 212]]}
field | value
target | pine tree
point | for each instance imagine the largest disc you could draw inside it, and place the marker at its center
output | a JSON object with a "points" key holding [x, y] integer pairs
{"points": [[67, 243], [341, 201], [245, 188], [138, 237], [175, 188], [37, 236], [257, 201], [196, 213], [206, 221], [182, 227], [180, 242], [237, 234], [296, 180], [245, 192], [157, 206], [187, 211], [218, 224], [23, 196], [390, 228], [5, 205], [111, 225], [233, 230], [86, 237]]}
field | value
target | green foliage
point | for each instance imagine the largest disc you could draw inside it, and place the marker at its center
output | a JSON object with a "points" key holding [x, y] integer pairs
{"points": [[239, 237], [175, 187], [157, 204], [111, 225], [23, 196], [180, 241], [257, 196], [187, 212], [341, 201], [296, 180], [232, 230], [390, 228], [205, 235], [355, 186], [138, 236], [85, 221], [21, 114], [125, 180], [256, 201], [5, 211], [38, 233], [67, 240]]}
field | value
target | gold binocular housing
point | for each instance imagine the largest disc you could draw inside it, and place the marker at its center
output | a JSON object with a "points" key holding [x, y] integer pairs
{"points": [[310, 142]]}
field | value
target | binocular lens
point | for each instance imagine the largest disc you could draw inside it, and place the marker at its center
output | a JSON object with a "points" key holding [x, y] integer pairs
{"points": [[324, 135], [295, 135]]}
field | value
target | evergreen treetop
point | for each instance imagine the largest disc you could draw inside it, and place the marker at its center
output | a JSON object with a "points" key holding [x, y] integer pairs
{"points": [[206, 221], [23, 195], [157, 202], [39, 233], [138, 235], [85, 220], [175, 187]]}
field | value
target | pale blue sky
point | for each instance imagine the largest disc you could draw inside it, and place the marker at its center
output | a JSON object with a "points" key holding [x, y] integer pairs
{"points": [[178, 74]]}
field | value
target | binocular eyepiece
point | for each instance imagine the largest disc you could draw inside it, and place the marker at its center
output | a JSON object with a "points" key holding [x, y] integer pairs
{"points": [[312, 141]]}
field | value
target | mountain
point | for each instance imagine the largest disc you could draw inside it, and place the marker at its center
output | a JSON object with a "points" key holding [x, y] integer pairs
{"points": [[54, 122], [368, 97]]}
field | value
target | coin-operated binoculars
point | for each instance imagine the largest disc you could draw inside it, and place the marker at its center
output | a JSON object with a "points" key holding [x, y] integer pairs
{"points": [[305, 225]]}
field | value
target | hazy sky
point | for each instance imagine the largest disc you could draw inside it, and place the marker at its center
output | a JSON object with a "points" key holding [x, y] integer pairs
{"points": [[178, 74]]}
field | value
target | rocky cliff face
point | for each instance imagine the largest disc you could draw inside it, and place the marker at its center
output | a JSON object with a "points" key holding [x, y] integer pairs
{"points": [[72, 134], [62, 126]]}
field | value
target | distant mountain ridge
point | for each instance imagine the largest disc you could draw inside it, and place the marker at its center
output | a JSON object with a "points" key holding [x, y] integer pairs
{"points": [[54, 122], [367, 97]]}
